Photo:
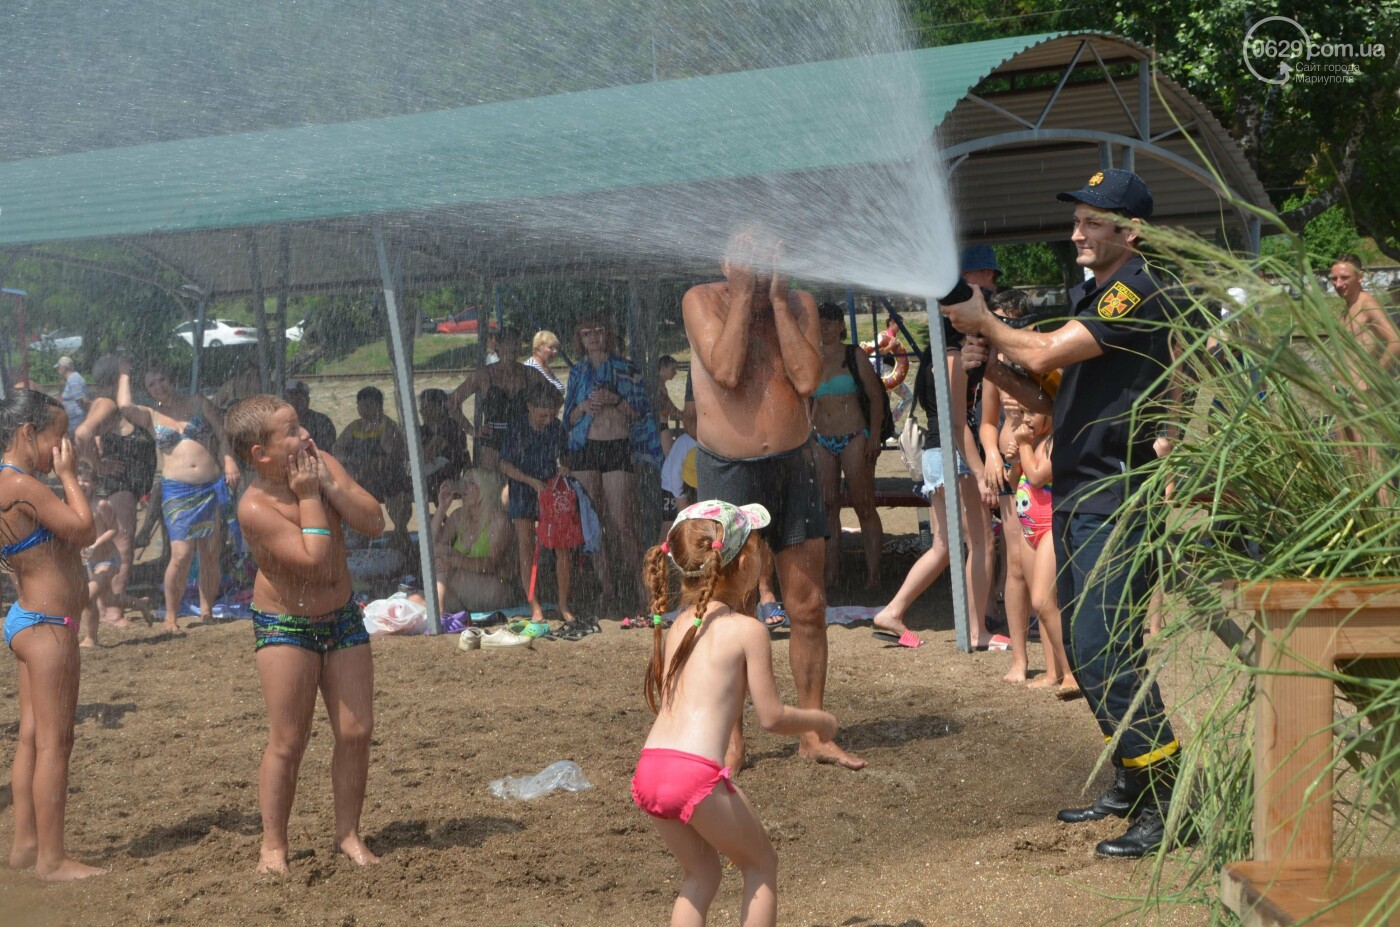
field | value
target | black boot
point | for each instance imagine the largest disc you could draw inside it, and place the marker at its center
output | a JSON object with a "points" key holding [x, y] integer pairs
{"points": [[1121, 799], [1143, 836]]}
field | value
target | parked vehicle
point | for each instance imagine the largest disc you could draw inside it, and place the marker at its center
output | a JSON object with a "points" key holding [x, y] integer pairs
{"points": [[217, 333], [58, 342], [465, 322], [296, 332]]}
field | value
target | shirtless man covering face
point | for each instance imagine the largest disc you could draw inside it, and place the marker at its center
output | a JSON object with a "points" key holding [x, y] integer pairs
{"points": [[756, 358]]}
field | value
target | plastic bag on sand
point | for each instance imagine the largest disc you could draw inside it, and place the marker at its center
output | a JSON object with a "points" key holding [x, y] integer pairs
{"points": [[395, 615], [565, 774]]}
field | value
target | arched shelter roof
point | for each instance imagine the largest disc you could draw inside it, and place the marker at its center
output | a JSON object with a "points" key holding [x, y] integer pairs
{"points": [[1019, 119]]}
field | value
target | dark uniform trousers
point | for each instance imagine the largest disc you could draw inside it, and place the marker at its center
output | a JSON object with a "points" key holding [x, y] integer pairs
{"points": [[1103, 617]]}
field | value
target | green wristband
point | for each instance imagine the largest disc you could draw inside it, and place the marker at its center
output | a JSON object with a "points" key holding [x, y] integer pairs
{"points": [[324, 532]]}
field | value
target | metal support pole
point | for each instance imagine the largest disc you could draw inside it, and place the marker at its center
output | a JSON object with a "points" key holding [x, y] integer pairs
{"points": [[645, 333], [259, 314], [198, 335], [284, 260], [851, 314], [20, 296], [938, 357], [408, 411]]}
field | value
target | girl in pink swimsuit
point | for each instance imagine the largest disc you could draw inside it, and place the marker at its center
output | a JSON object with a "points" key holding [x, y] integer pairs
{"points": [[1034, 501], [713, 656]]}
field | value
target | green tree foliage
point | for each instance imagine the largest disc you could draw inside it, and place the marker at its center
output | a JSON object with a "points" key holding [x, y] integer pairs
{"points": [[1332, 142]]}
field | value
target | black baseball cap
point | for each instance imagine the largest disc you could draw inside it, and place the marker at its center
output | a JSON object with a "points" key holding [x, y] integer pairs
{"points": [[1114, 190]]}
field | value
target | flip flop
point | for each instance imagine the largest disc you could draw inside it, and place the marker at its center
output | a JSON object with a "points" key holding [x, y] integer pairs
{"points": [[907, 639], [773, 616]]}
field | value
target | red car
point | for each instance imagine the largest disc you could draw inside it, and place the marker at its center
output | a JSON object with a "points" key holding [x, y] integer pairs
{"points": [[463, 323]]}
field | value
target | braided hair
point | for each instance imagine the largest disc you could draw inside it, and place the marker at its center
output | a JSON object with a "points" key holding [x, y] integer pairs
{"points": [[692, 547]]}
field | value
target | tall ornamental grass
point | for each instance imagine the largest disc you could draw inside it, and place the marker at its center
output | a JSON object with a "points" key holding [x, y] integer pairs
{"points": [[1286, 465]]}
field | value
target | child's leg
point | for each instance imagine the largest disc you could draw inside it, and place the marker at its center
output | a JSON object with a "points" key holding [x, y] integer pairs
{"points": [[25, 849], [348, 687], [525, 550], [728, 823], [177, 573], [91, 612], [1045, 599], [701, 869], [49, 663], [564, 575], [1016, 594], [289, 676]]}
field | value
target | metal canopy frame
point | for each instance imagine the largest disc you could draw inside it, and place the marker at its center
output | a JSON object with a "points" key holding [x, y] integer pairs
{"points": [[988, 136]]}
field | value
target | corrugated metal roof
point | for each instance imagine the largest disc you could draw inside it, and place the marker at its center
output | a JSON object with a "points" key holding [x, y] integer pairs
{"points": [[199, 205]]}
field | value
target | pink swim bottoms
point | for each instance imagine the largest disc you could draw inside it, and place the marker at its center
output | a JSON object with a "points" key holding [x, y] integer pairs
{"points": [[670, 783]]}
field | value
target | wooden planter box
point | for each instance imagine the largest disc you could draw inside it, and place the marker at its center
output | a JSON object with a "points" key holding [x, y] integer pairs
{"points": [[1293, 875]]}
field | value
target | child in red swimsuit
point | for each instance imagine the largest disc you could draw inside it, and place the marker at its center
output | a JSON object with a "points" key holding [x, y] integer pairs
{"points": [[700, 671], [1033, 506]]}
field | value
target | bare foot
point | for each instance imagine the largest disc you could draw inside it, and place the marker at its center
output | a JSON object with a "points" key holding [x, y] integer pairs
{"points": [[1045, 681], [1069, 691], [70, 870], [826, 751], [273, 861], [355, 848], [87, 642], [1016, 675], [567, 616], [24, 857], [892, 621], [171, 626]]}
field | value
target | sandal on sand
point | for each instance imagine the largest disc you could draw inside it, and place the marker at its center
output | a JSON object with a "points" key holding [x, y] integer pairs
{"points": [[773, 616], [907, 639]]}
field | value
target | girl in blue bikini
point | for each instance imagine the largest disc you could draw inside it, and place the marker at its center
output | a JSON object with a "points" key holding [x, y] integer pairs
{"points": [[41, 537], [843, 432]]}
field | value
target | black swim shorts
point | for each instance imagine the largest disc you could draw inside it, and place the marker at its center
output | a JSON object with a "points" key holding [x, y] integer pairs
{"points": [[785, 484], [604, 456]]}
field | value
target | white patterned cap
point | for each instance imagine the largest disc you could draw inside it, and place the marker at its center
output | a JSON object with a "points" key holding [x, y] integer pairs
{"points": [[735, 522]]}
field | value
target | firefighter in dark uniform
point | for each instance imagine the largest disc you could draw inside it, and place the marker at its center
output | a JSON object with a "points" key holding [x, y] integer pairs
{"points": [[1111, 352]]}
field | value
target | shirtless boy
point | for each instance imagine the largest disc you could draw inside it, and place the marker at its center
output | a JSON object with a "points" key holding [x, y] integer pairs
{"points": [[309, 633], [756, 358]]}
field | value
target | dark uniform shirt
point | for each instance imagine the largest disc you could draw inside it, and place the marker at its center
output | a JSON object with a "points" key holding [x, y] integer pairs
{"points": [[320, 427], [1096, 438]]}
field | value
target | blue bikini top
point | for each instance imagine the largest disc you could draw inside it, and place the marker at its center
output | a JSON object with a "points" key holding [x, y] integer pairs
{"points": [[36, 537], [843, 384], [196, 429]]}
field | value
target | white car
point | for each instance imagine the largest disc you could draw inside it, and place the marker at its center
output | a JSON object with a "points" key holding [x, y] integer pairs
{"points": [[59, 342], [296, 332], [217, 333]]}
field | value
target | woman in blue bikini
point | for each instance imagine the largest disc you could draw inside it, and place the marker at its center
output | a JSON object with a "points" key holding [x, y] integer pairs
{"points": [[197, 476], [843, 434], [41, 537]]}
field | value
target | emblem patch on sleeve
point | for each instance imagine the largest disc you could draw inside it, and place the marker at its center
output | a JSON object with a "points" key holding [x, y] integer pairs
{"points": [[1118, 301]]}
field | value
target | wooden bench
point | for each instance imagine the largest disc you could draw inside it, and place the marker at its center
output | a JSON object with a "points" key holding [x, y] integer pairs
{"points": [[1293, 875]]}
